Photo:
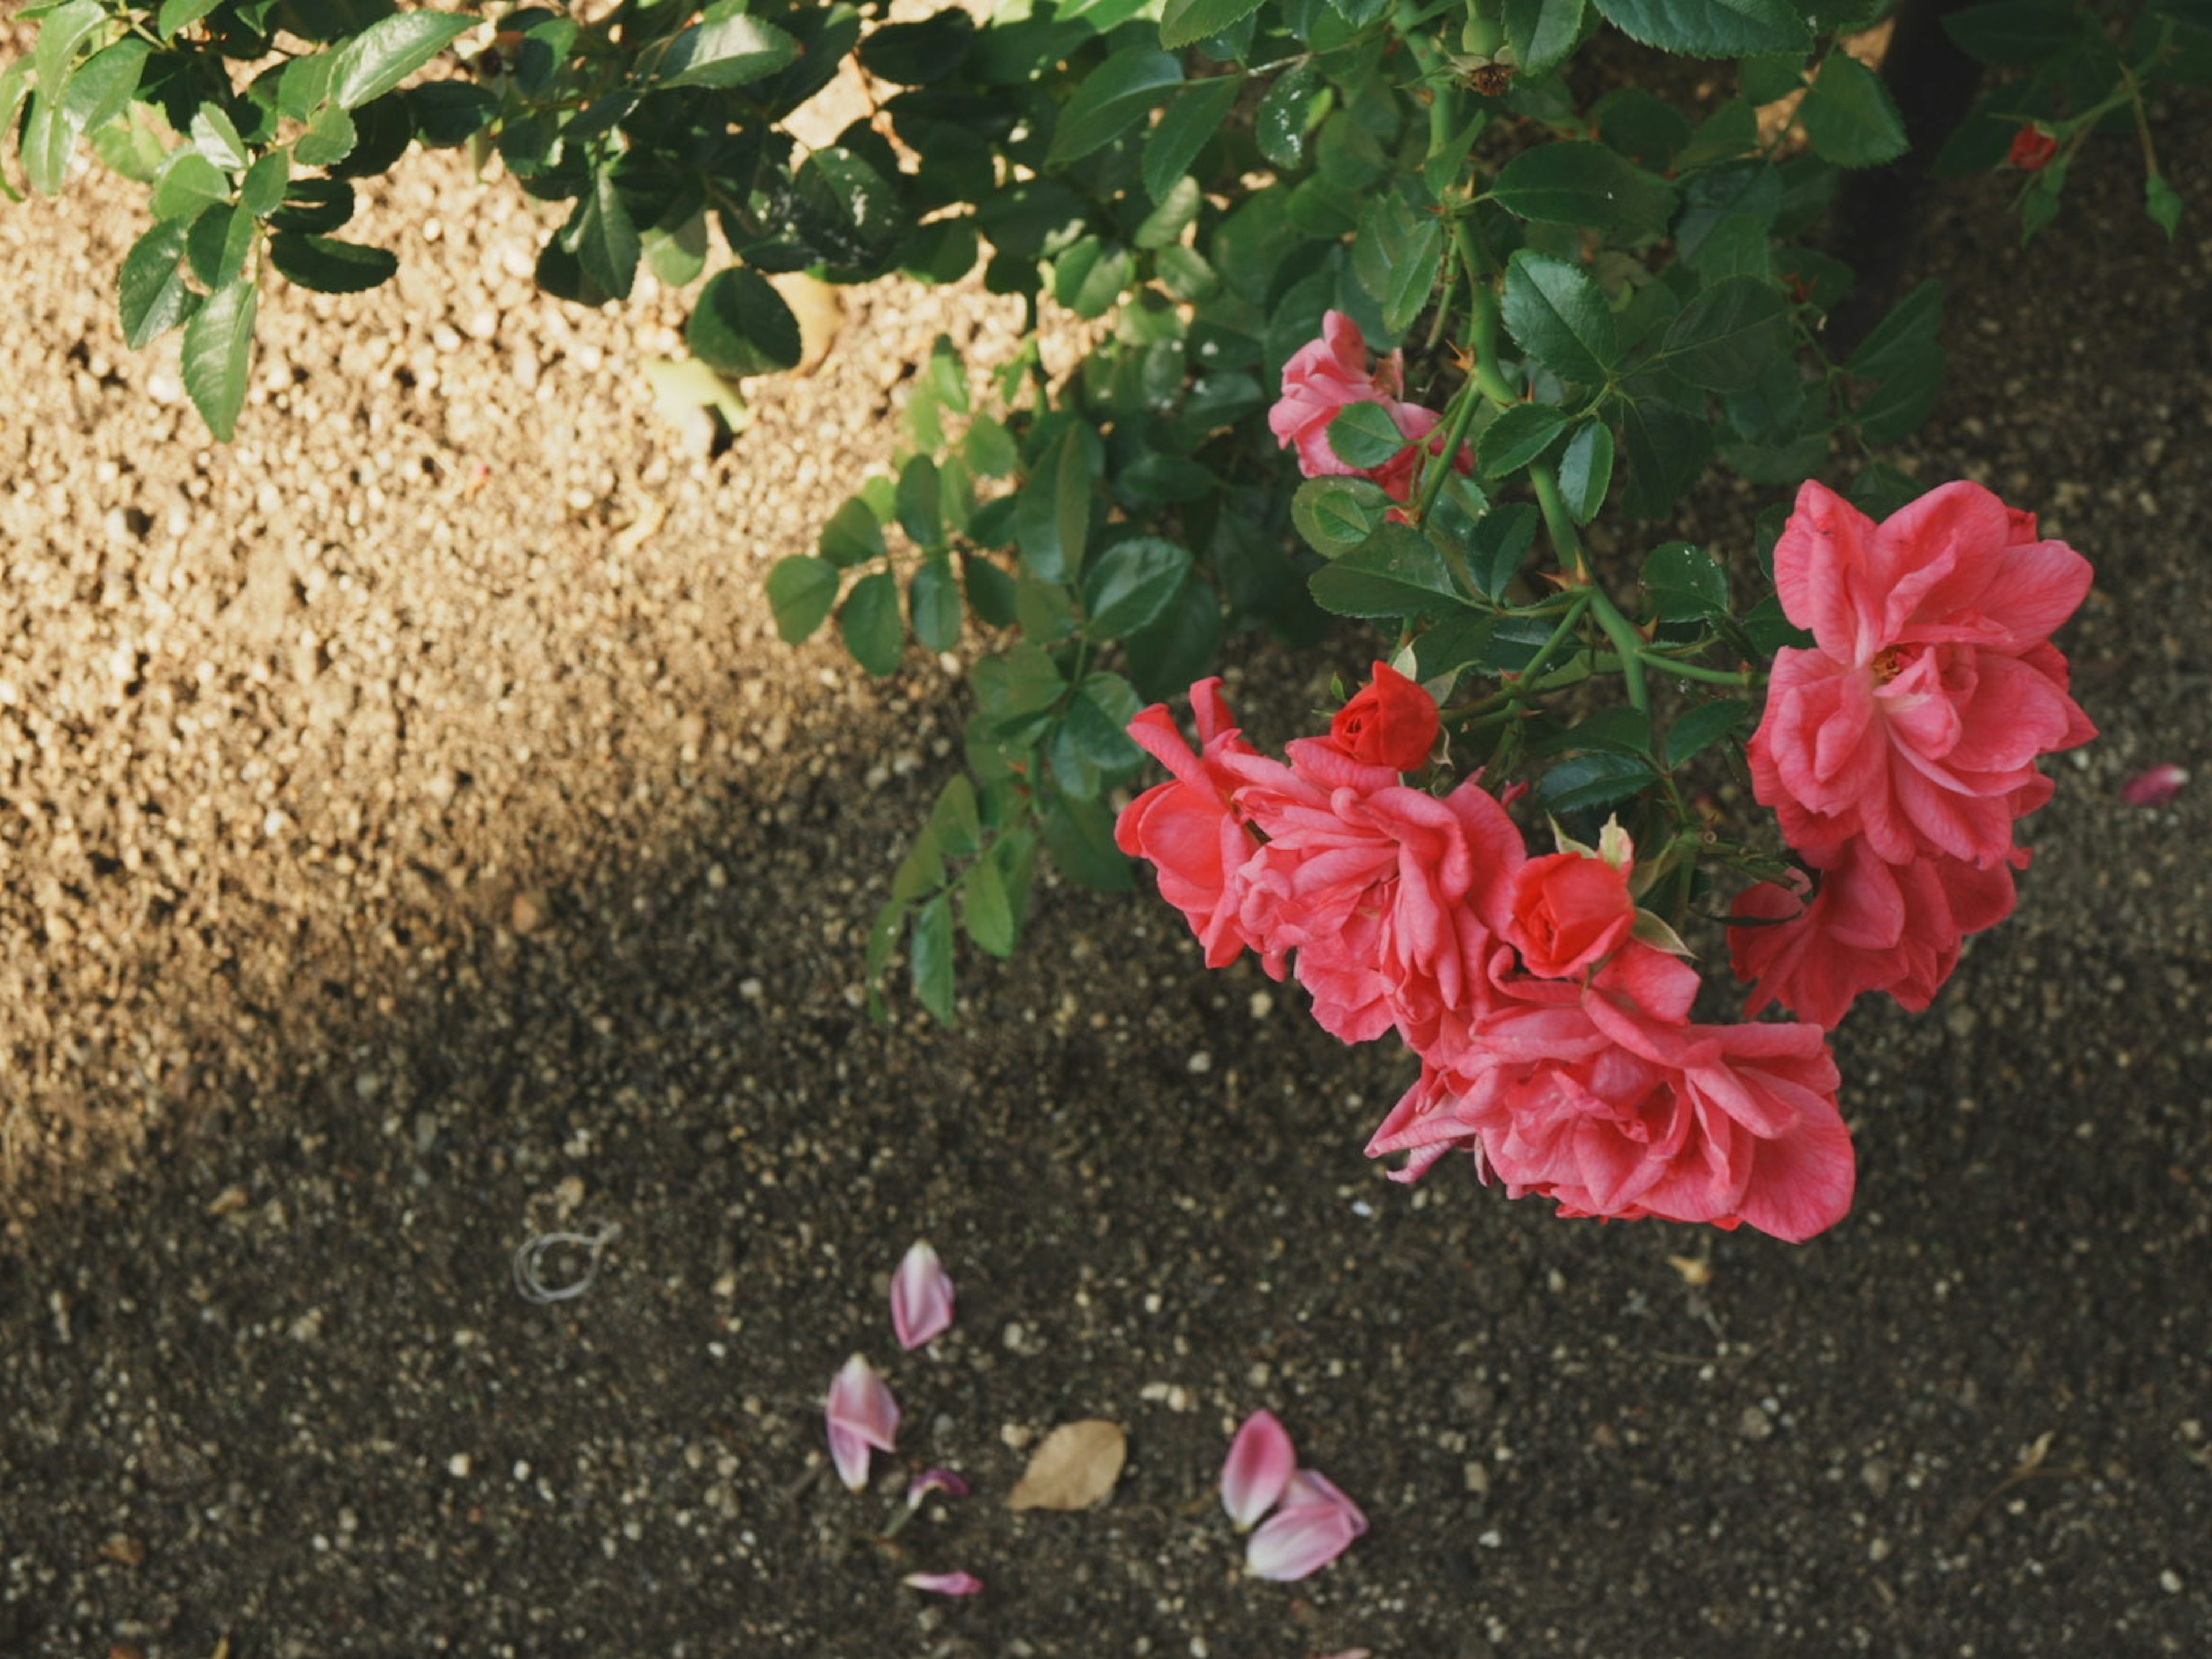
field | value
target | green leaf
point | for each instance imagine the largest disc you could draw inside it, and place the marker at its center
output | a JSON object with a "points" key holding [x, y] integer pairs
{"points": [[1181, 131], [1286, 114], [1904, 336], [932, 961], [990, 591], [1336, 514], [215, 137], [1181, 644], [1185, 22], [735, 50], [1079, 836], [2015, 31], [2163, 202], [1592, 780], [175, 17], [871, 626], [802, 590], [1727, 337], [1398, 573], [741, 324], [985, 912], [1710, 28], [1131, 583], [328, 266], [217, 245], [920, 502], [1686, 583], [853, 536], [1586, 470], [1517, 437], [604, 239], [60, 32], [262, 191], [1604, 731], [1560, 318], [1698, 729], [1575, 182], [1542, 33], [330, 138], [933, 605], [1666, 449], [990, 447], [103, 85], [1113, 98], [151, 293], [1364, 435], [1850, 116], [1053, 519], [187, 185], [218, 354], [922, 52], [1396, 256], [303, 86], [1500, 547], [390, 49], [954, 828], [1090, 277]]}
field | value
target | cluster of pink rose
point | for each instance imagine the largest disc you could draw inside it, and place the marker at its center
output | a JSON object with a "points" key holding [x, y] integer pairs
{"points": [[1553, 1018], [1321, 379]]}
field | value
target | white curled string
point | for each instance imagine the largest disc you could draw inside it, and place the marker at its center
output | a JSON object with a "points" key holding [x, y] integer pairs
{"points": [[532, 1256]]}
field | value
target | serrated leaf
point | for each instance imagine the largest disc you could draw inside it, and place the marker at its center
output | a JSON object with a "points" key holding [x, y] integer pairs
{"points": [[802, 590], [1576, 182], [213, 135], [1399, 572], [1053, 517], [1516, 437], [741, 325], [871, 625], [1710, 28], [990, 447], [954, 826], [933, 605], [733, 50], [175, 17], [1182, 129], [390, 49], [2162, 203], [1185, 22], [1686, 583], [1500, 547], [150, 292], [1850, 117], [329, 266], [1698, 729], [1726, 337], [1079, 836], [1541, 32], [60, 32], [920, 502], [1281, 124], [1113, 98], [1586, 470], [1586, 781], [103, 85], [1364, 435], [1904, 336], [262, 191], [218, 354], [187, 185], [1130, 583], [1666, 449], [217, 245], [607, 243], [932, 959], [1336, 514], [330, 138], [1560, 318], [2015, 31], [985, 909]]}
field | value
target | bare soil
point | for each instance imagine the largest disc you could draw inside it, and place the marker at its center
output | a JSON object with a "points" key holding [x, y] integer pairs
{"points": [[416, 840]]}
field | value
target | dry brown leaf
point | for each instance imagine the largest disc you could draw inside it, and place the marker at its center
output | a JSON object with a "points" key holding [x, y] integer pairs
{"points": [[1075, 1468]]}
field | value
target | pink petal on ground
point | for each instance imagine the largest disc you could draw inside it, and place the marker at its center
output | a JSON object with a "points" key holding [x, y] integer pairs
{"points": [[922, 1296], [1261, 1462], [932, 1481], [1315, 1524], [2154, 787], [944, 1583], [862, 1415]]}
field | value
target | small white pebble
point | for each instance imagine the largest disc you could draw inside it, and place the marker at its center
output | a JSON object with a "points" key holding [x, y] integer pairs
{"points": [[458, 1466], [1200, 1063], [2170, 1581]]}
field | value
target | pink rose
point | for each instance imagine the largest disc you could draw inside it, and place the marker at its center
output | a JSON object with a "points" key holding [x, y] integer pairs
{"points": [[1871, 926], [1321, 378], [1613, 1104], [1186, 827], [1917, 719], [1389, 722], [1570, 911]]}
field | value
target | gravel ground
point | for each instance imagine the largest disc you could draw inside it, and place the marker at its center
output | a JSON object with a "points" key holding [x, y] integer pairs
{"points": [[416, 840]]}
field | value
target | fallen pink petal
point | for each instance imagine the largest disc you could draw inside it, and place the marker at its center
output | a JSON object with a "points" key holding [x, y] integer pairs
{"points": [[2154, 787], [921, 1297], [1315, 1524], [1261, 1460], [944, 1583], [862, 1416], [932, 1481]]}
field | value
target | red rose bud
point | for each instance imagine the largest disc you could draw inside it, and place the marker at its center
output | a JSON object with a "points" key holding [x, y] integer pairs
{"points": [[1392, 723], [2032, 149]]}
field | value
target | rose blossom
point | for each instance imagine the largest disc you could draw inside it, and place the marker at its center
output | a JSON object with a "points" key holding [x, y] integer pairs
{"points": [[2032, 149], [1932, 687], [1570, 911], [1321, 378], [1390, 722], [1872, 926], [1606, 1098]]}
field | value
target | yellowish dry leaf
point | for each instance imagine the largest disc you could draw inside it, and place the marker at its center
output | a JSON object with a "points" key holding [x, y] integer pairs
{"points": [[1075, 1467]]}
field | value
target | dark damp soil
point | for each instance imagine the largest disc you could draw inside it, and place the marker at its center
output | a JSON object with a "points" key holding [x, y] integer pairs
{"points": [[416, 842]]}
